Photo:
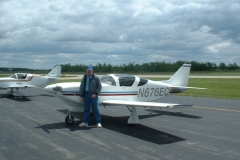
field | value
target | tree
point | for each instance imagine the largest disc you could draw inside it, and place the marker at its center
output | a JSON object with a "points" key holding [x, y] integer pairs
{"points": [[222, 66]]}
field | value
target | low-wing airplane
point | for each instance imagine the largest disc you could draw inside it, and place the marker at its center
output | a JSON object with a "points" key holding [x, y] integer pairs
{"points": [[27, 80], [125, 90]]}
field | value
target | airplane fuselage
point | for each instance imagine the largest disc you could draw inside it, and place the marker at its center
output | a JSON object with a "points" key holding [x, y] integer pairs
{"points": [[69, 92], [30, 79]]}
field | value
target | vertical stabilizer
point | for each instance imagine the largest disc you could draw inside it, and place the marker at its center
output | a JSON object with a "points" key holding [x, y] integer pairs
{"points": [[55, 72], [180, 78]]}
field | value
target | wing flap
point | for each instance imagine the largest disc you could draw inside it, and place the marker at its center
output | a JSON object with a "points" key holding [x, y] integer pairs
{"points": [[144, 104]]}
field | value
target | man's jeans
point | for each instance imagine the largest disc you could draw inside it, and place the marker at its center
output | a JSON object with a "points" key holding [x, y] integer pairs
{"points": [[88, 101]]}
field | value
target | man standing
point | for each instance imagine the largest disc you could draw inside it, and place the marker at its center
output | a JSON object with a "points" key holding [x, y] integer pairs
{"points": [[89, 89]]}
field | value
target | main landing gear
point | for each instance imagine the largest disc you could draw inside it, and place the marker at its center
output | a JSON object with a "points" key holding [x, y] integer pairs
{"points": [[133, 120], [16, 93]]}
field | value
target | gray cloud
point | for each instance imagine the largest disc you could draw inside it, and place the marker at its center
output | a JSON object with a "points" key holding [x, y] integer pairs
{"points": [[41, 34]]}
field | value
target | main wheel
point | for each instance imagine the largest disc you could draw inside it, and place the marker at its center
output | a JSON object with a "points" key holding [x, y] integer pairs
{"points": [[69, 121]]}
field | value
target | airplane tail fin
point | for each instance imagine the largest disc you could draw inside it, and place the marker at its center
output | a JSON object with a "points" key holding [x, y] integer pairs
{"points": [[55, 72], [180, 78], [179, 81]]}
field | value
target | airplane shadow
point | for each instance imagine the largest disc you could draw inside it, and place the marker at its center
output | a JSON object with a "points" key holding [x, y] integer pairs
{"points": [[42, 95], [19, 99], [23, 98], [47, 95], [118, 124]]}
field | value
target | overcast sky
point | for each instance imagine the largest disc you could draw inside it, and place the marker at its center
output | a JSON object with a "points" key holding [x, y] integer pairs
{"points": [[39, 34]]}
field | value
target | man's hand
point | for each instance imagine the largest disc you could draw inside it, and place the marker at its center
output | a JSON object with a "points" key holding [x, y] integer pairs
{"points": [[93, 95], [81, 99]]}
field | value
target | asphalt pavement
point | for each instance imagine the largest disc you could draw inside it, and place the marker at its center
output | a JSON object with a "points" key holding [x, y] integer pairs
{"points": [[33, 127]]}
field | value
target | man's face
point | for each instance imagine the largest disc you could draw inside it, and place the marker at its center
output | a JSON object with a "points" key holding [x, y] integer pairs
{"points": [[89, 72]]}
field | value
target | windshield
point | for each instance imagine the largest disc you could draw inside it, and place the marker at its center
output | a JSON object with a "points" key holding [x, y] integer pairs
{"points": [[125, 79], [13, 76], [108, 80]]}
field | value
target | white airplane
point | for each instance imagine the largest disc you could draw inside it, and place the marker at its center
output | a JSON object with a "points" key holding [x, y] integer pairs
{"points": [[27, 80], [125, 90]]}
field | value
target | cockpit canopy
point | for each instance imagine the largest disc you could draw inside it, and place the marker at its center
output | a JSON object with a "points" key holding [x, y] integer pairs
{"points": [[122, 80], [19, 76]]}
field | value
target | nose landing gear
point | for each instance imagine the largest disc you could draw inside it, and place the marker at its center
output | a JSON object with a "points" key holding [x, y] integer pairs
{"points": [[69, 119]]}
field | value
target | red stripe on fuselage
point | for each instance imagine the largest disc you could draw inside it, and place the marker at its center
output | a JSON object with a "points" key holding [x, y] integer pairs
{"points": [[117, 94], [104, 95]]}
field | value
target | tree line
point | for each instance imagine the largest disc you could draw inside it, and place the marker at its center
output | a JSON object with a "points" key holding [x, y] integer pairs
{"points": [[25, 70], [136, 68], [151, 67]]}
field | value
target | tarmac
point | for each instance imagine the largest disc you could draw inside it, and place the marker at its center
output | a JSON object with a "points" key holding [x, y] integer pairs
{"points": [[34, 127]]}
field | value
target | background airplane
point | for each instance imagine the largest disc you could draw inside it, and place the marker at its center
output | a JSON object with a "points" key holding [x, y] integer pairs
{"points": [[125, 90], [27, 80]]}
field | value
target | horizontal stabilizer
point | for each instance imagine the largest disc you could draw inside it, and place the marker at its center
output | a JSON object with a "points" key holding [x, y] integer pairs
{"points": [[53, 78], [186, 87], [144, 104]]}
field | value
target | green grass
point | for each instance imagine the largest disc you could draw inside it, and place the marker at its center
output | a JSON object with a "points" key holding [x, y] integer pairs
{"points": [[5, 75], [222, 88]]}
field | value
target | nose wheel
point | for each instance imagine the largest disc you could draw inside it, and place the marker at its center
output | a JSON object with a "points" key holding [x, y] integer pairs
{"points": [[69, 119]]}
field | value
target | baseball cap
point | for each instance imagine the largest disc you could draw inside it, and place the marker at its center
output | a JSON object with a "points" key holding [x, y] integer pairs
{"points": [[89, 68]]}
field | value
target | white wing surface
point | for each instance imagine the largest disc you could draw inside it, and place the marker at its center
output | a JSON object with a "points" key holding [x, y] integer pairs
{"points": [[144, 104], [22, 86]]}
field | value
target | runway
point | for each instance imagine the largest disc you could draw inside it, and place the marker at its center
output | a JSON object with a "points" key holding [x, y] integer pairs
{"points": [[34, 128]]}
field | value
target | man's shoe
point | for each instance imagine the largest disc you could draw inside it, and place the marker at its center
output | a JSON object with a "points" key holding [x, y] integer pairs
{"points": [[99, 125], [83, 124]]}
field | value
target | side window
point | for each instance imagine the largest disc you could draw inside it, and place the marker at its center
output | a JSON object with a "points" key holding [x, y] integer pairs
{"points": [[24, 76], [126, 81], [142, 82], [20, 76]]}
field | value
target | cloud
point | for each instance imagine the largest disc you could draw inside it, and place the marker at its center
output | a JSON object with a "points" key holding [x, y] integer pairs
{"points": [[218, 47], [40, 34]]}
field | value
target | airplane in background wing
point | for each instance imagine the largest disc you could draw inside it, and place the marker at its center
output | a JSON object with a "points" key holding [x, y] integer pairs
{"points": [[125, 90], [27, 80]]}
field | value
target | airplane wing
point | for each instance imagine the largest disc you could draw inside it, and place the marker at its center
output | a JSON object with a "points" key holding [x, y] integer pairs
{"points": [[144, 104], [22, 86]]}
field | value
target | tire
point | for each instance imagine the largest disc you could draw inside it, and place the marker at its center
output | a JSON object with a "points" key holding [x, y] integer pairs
{"points": [[68, 121]]}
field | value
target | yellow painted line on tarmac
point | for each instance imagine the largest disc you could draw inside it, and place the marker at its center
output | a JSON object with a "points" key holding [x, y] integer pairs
{"points": [[217, 109]]}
